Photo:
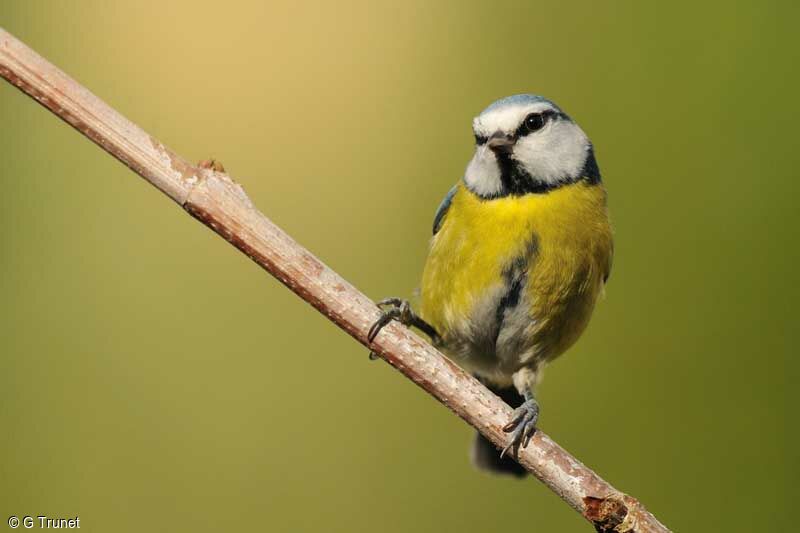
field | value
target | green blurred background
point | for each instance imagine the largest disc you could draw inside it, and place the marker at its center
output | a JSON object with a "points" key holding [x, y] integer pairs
{"points": [[153, 379]]}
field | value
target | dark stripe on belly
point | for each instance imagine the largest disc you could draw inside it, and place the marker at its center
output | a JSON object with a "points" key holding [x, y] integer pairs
{"points": [[515, 275], [508, 301]]}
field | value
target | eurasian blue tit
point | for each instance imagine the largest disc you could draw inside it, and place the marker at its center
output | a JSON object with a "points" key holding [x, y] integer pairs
{"points": [[521, 251]]}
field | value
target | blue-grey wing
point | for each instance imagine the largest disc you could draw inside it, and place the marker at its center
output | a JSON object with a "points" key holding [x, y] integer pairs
{"points": [[438, 219]]}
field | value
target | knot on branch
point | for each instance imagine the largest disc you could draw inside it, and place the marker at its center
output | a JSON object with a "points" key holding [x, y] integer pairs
{"points": [[611, 514], [211, 173], [213, 164]]}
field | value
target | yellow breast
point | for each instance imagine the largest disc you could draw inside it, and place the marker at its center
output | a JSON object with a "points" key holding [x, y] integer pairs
{"points": [[564, 238]]}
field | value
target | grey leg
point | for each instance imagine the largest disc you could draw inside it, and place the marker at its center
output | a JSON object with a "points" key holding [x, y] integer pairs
{"points": [[400, 310], [522, 425]]}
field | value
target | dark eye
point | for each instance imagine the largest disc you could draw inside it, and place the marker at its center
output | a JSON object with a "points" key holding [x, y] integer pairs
{"points": [[534, 121], [480, 139]]}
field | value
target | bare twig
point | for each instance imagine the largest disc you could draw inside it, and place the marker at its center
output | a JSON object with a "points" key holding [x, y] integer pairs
{"points": [[213, 198]]}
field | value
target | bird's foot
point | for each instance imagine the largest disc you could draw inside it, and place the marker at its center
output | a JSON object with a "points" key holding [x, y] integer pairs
{"points": [[522, 426], [400, 310]]}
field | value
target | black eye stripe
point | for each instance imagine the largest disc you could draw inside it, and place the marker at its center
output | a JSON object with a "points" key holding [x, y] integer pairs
{"points": [[523, 129], [530, 120]]}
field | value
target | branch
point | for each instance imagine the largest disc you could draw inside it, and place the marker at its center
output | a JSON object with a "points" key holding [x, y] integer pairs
{"points": [[222, 205]]}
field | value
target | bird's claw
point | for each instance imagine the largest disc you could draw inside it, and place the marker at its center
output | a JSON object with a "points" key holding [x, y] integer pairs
{"points": [[400, 310], [522, 426]]}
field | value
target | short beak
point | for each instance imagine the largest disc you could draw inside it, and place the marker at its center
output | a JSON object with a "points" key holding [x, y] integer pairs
{"points": [[499, 142]]}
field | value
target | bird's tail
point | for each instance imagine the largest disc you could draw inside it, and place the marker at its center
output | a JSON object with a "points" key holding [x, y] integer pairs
{"points": [[484, 454]]}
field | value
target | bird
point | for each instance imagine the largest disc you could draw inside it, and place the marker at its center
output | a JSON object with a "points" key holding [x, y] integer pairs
{"points": [[521, 251]]}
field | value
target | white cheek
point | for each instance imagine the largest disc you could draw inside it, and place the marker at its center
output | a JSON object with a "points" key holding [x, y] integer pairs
{"points": [[556, 153], [483, 173]]}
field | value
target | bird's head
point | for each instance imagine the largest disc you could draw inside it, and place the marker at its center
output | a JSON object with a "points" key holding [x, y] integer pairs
{"points": [[526, 144]]}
